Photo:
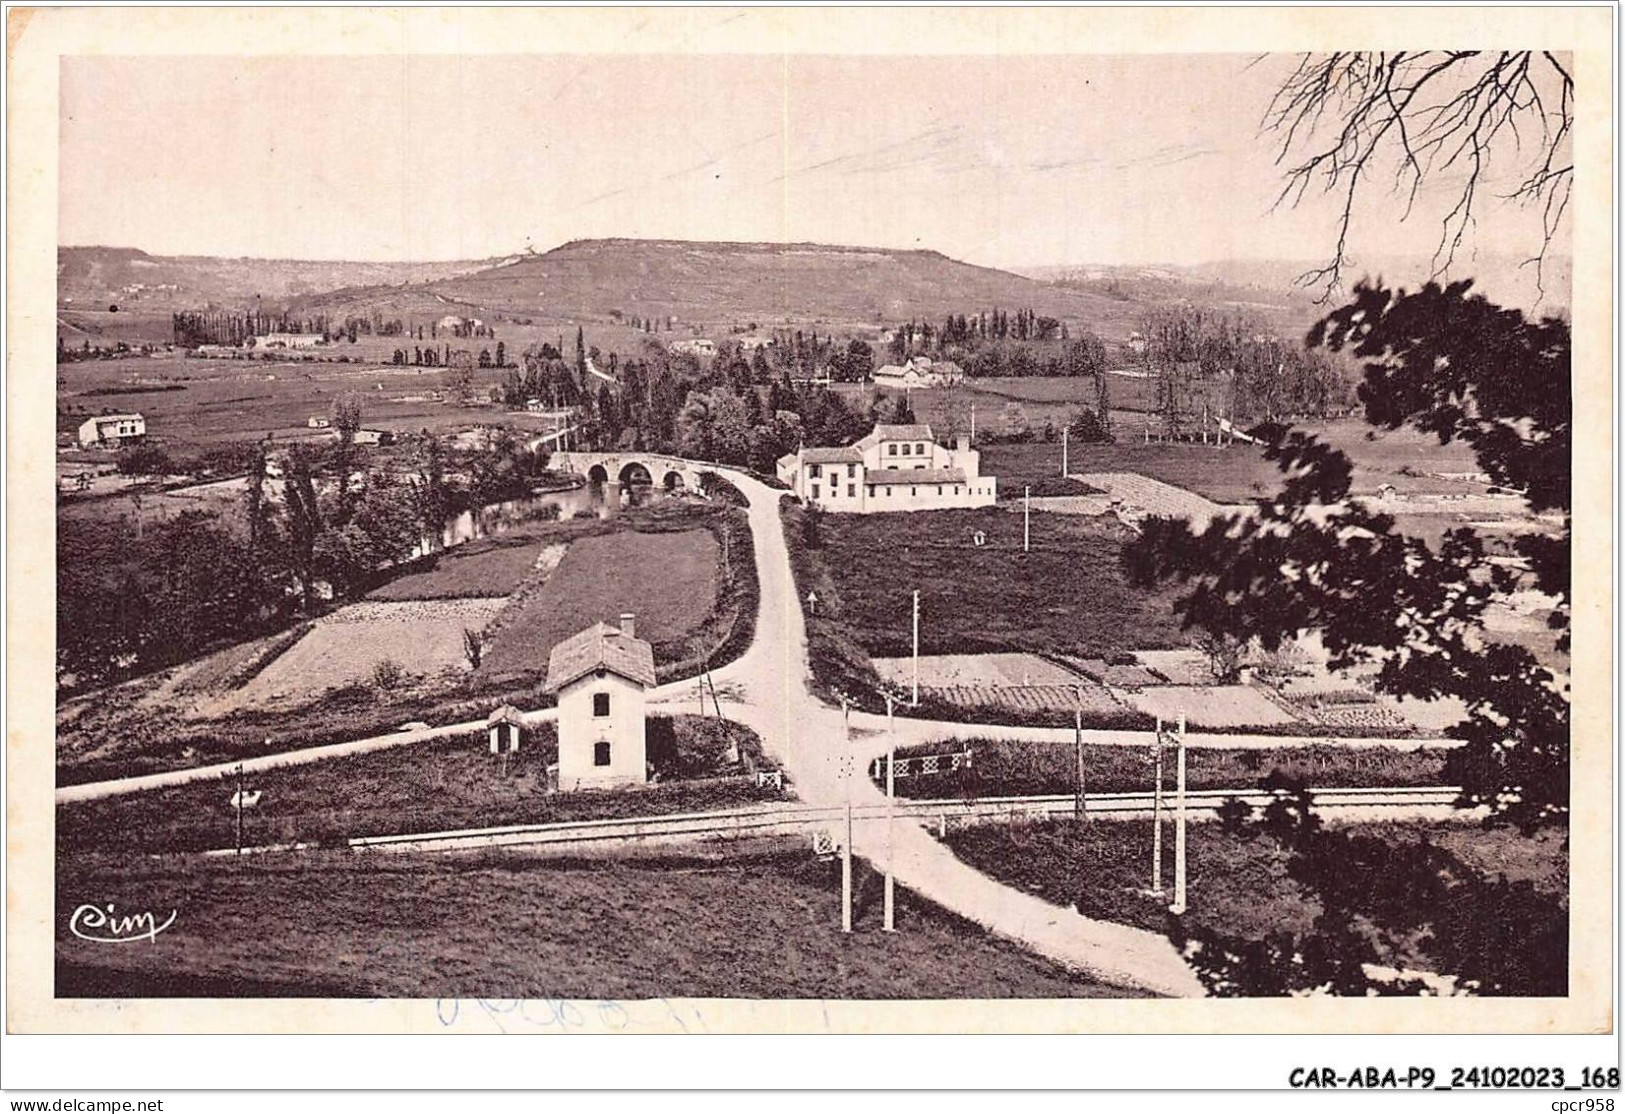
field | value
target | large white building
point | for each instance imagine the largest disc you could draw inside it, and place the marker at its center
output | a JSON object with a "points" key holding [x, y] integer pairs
{"points": [[111, 430], [600, 676], [892, 468], [919, 372]]}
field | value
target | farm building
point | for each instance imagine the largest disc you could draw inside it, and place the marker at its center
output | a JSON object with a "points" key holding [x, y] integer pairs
{"points": [[374, 437], [111, 430], [751, 344], [919, 372], [600, 676], [317, 421], [506, 729], [892, 468], [288, 340], [700, 347]]}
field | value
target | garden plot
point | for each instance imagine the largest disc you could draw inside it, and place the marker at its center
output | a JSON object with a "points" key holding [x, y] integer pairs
{"points": [[1212, 706], [1180, 667], [423, 637], [950, 670], [1157, 499], [1086, 696]]}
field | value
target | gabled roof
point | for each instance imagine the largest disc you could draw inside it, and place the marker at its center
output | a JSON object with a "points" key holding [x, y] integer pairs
{"points": [[915, 476], [600, 646], [848, 454], [114, 418], [505, 714]]}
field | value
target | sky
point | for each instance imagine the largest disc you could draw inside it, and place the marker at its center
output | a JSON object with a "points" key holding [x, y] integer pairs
{"points": [[1002, 161]]}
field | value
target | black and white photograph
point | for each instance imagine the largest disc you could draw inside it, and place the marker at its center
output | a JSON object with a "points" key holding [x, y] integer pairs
{"points": [[597, 539]]}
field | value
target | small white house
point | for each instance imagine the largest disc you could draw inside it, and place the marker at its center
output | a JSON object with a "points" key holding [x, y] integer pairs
{"points": [[505, 729], [600, 677], [111, 430], [699, 347]]}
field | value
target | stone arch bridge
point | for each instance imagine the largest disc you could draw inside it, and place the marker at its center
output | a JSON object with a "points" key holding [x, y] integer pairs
{"points": [[633, 469]]}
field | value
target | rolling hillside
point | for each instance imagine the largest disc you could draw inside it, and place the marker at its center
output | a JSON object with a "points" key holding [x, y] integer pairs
{"points": [[88, 277], [721, 284]]}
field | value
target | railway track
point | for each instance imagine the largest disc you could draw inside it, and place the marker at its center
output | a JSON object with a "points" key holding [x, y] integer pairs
{"points": [[792, 819]]}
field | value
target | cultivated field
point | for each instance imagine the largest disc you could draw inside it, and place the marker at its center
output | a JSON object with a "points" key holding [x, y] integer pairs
{"points": [[423, 637], [1211, 706], [608, 932]]}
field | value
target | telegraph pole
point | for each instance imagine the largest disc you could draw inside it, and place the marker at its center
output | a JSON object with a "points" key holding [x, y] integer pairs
{"points": [[240, 801], [916, 647], [1064, 469], [891, 818], [1026, 519], [846, 844], [1179, 832]]}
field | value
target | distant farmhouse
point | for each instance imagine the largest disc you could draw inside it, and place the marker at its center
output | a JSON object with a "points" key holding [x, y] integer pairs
{"points": [[700, 347], [919, 372], [893, 468], [287, 340], [600, 676], [109, 431], [752, 344]]}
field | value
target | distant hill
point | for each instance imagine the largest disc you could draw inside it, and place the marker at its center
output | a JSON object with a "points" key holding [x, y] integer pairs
{"points": [[1272, 286], [720, 284], [133, 279]]}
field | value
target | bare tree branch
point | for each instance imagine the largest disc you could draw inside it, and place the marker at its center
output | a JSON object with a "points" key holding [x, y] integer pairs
{"points": [[1340, 117]]}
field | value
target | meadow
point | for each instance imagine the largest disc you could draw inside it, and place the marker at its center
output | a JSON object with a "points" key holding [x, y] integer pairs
{"points": [[1239, 885], [506, 927], [1067, 595], [668, 580]]}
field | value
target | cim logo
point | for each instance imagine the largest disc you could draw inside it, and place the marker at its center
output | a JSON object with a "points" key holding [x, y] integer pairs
{"points": [[108, 926]]}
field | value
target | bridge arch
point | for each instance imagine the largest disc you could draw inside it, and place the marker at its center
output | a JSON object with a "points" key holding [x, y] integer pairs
{"points": [[597, 474], [635, 473]]}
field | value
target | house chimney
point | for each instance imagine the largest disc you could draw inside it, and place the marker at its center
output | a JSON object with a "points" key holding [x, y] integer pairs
{"points": [[629, 625], [962, 441]]}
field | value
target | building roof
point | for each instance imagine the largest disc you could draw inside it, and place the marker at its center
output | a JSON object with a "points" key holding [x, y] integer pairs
{"points": [[915, 476], [505, 714], [846, 454], [99, 418], [600, 646], [901, 433]]}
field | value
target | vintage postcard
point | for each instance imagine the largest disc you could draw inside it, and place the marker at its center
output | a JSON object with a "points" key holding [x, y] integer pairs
{"points": [[810, 521]]}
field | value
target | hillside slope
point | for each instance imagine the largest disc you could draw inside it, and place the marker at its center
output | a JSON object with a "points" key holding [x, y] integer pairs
{"points": [[95, 276], [720, 284]]}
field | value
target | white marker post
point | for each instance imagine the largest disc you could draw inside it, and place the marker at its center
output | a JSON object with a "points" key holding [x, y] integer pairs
{"points": [[916, 647], [891, 817], [1179, 832], [1156, 812], [846, 844], [1081, 811], [1026, 519], [1064, 431]]}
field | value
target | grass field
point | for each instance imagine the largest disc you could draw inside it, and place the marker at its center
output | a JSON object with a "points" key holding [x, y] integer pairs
{"points": [[420, 787], [1237, 885], [1066, 595], [1005, 768], [509, 928], [668, 580], [495, 566]]}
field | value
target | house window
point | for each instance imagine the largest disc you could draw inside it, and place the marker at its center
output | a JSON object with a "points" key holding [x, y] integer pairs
{"points": [[815, 492], [917, 467], [851, 470], [907, 449], [891, 450], [913, 491], [600, 754], [600, 704], [815, 469], [939, 489], [920, 449], [851, 491], [871, 491]]}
